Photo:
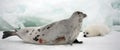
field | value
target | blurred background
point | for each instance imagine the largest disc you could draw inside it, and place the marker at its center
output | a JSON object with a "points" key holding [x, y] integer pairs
{"points": [[30, 13]]}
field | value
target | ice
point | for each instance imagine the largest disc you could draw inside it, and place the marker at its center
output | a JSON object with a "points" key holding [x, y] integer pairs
{"points": [[4, 25], [109, 42]]}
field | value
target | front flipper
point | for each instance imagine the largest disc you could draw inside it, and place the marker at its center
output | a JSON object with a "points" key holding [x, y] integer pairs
{"points": [[78, 42]]}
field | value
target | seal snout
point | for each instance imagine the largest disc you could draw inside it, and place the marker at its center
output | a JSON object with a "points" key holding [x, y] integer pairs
{"points": [[84, 15]]}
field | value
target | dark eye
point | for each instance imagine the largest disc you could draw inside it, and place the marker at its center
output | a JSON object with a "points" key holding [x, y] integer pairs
{"points": [[83, 32], [87, 33]]}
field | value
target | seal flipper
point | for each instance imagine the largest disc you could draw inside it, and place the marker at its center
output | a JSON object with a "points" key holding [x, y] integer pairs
{"points": [[8, 33], [76, 41]]}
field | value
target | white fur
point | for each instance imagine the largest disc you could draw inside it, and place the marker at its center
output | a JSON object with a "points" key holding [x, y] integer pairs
{"points": [[96, 30]]}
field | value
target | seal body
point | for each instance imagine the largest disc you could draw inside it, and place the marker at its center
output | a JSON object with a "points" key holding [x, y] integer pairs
{"points": [[60, 32]]}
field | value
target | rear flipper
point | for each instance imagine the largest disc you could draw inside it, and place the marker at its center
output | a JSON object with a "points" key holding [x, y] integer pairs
{"points": [[76, 41], [8, 34]]}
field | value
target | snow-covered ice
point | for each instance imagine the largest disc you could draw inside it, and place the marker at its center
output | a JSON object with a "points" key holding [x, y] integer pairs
{"points": [[108, 42]]}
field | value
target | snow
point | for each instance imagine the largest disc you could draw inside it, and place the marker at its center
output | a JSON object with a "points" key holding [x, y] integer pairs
{"points": [[109, 42]]}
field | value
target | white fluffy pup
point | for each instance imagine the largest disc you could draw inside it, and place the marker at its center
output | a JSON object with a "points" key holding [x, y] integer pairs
{"points": [[61, 32], [96, 30]]}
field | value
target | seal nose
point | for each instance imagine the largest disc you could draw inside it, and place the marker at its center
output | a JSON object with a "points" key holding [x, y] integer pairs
{"points": [[84, 15], [85, 36]]}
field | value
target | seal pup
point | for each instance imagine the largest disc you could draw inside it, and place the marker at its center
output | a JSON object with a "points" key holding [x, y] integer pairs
{"points": [[96, 30]]}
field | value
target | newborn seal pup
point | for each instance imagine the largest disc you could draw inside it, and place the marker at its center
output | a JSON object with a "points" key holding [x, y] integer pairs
{"points": [[95, 30], [61, 32]]}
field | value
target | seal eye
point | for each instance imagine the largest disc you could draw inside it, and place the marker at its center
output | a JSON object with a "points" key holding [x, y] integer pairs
{"points": [[87, 33], [78, 12], [83, 32]]}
